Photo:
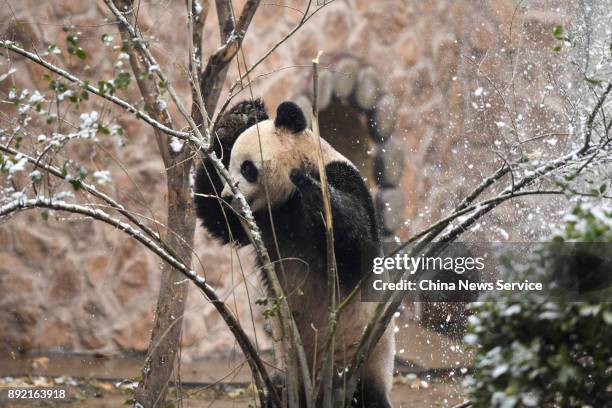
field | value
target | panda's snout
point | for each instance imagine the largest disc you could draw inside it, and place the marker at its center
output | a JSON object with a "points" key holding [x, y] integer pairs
{"points": [[226, 194]]}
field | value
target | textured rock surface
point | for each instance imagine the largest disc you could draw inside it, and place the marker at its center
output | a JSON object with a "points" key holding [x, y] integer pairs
{"points": [[83, 286]]}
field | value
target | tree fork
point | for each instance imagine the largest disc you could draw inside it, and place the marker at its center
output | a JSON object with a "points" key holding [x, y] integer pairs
{"points": [[180, 222]]}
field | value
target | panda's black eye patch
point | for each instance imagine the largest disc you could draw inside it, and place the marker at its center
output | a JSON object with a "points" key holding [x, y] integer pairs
{"points": [[249, 171]]}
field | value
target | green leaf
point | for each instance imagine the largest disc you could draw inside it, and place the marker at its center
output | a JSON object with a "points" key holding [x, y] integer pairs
{"points": [[57, 86], [122, 80], [106, 87], [592, 81], [45, 215], [72, 39], [106, 39], [80, 53], [557, 48], [76, 184], [64, 171], [103, 129], [54, 49], [558, 32]]}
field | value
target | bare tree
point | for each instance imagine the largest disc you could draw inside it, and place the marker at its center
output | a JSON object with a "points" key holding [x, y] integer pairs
{"points": [[179, 146]]}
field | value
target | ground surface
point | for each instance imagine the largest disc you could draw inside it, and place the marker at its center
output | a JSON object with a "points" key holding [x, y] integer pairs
{"points": [[430, 370], [109, 382], [410, 393]]}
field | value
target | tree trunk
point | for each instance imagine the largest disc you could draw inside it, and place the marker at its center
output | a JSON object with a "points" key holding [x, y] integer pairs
{"points": [[180, 226], [166, 335]]}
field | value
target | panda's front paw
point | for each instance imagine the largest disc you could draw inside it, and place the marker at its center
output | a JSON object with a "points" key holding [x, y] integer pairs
{"points": [[300, 178], [309, 188], [237, 119]]}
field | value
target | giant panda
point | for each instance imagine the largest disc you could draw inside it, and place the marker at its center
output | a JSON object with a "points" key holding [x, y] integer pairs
{"points": [[297, 246]]}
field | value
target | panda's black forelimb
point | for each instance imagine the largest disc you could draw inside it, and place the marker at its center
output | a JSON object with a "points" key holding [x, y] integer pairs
{"points": [[309, 189], [354, 225], [217, 217], [352, 219]]}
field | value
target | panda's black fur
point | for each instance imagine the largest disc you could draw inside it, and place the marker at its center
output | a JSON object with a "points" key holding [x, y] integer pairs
{"points": [[242, 116], [300, 234]]}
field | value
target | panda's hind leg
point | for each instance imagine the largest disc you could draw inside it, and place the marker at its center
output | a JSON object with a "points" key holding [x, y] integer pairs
{"points": [[374, 388], [371, 395]]}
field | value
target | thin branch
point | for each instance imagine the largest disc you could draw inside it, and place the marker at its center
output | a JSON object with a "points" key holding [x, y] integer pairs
{"points": [[591, 119], [245, 75], [215, 71], [243, 340], [544, 135], [327, 377], [87, 187], [499, 94], [508, 166], [487, 182], [85, 85], [385, 310], [284, 316], [196, 16], [150, 62], [464, 404]]}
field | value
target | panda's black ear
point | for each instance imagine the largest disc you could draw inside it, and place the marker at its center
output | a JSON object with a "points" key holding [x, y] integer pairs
{"points": [[290, 116]]}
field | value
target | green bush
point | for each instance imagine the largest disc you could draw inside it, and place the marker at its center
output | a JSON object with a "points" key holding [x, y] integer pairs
{"points": [[537, 352]]}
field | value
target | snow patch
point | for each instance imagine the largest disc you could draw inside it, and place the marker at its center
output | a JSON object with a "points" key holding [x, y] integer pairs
{"points": [[176, 144]]}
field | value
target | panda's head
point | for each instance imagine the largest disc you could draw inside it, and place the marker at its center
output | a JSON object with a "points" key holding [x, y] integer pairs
{"points": [[264, 155]]}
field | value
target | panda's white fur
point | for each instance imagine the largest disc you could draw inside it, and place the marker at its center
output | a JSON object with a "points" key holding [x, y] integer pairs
{"points": [[290, 173], [281, 150]]}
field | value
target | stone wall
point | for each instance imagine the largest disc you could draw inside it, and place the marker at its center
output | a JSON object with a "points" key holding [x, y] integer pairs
{"points": [[80, 286]]}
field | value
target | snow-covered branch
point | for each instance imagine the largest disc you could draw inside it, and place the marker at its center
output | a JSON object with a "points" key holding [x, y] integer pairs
{"points": [[97, 214], [10, 45], [43, 202], [580, 157], [91, 189], [149, 62], [245, 76]]}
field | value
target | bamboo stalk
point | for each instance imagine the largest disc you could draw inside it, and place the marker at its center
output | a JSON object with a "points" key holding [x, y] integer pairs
{"points": [[328, 365]]}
